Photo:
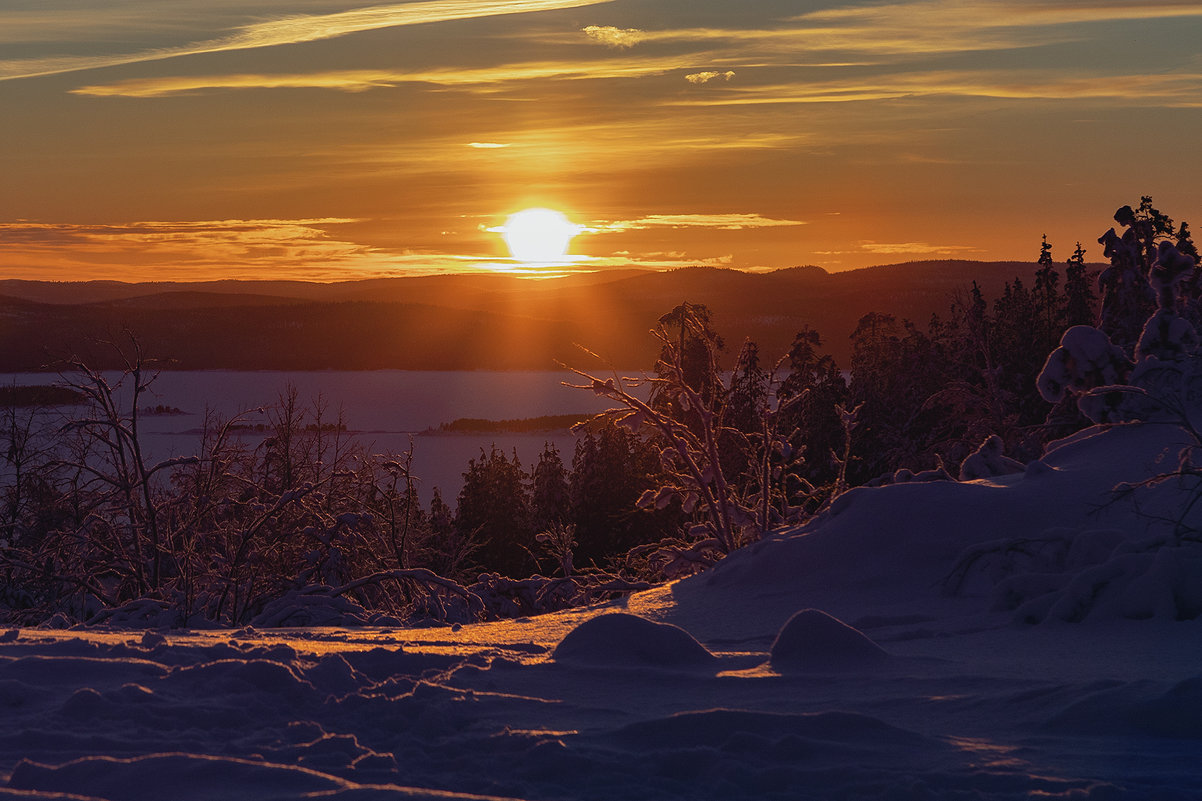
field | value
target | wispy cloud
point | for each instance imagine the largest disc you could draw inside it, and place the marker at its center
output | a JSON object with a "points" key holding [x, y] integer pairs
{"points": [[297, 29], [925, 27], [1163, 90], [913, 248], [725, 222], [487, 145], [184, 250], [362, 80], [706, 77], [210, 240], [302, 249]]}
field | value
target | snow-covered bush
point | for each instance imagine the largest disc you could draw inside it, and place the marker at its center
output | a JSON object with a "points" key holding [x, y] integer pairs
{"points": [[1084, 360], [989, 461]]}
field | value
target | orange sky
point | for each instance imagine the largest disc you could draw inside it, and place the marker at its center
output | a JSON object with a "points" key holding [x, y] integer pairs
{"points": [[329, 140]]}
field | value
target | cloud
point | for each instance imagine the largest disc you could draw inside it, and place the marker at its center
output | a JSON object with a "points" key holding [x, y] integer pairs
{"points": [[202, 250], [912, 248], [706, 77], [487, 145], [297, 29], [924, 27], [362, 80], [615, 37], [179, 250], [724, 222], [243, 236], [345, 81], [1181, 89]]}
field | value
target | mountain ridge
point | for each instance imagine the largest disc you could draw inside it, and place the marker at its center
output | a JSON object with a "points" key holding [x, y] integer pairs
{"points": [[469, 321]]}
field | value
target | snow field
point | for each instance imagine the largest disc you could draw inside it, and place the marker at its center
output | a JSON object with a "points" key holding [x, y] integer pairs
{"points": [[890, 650]]}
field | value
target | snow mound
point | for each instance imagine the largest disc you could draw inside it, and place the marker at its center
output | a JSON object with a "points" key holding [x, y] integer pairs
{"points": [[812, 640], [1131, 710], [1140, 581], [716, 727], [191, 777], [181, 777], [619, 639], [310, 609]]}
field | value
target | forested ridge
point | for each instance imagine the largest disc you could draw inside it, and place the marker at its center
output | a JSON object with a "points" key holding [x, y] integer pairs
{"points": [[467, 321]]}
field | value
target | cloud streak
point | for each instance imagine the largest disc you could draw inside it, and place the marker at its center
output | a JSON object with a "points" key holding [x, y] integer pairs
{"points": [[1182, 90], [913, 248], [363, 80], [301, 249], [926, 27], [182, 249], [724, 222], [298, 29]]}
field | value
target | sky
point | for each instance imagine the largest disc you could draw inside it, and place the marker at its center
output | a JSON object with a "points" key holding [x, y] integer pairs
{"points": [[327, 140]]}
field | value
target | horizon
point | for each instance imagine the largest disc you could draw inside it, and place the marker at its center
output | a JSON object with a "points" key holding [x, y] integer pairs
{"points": [[333, 140], [618, 272]]}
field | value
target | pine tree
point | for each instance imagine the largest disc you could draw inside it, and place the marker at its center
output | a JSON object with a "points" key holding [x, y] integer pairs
{"points": [[611, 469], [550, 500], [1049, 311], [494, 509], [747, 397], [817, 384], [1080, 300]]}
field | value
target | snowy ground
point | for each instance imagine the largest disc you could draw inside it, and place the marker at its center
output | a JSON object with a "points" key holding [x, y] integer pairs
{"points": [[987, 692]]}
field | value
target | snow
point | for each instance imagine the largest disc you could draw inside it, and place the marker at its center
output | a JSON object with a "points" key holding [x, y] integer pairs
{"points": [[1085, 359], [813, 640], [618, 638], [988, 461], [1029, 634]]}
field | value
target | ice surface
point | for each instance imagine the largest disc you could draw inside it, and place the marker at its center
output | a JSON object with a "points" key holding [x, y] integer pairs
{"points": [[970, 701]]}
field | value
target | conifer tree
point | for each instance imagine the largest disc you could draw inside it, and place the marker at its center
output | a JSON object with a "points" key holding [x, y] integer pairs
{"points": [[1049, 309], [811, 393], [1080, 299], [611, 468], [494, 509], [550, 500]]}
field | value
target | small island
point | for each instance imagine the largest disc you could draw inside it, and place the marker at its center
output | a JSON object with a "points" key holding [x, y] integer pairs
{"points": [[14, 396], [473, 425], [161, 410]]}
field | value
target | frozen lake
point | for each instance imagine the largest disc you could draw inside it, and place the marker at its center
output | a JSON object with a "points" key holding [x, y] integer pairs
{"points": [[383, 408]]}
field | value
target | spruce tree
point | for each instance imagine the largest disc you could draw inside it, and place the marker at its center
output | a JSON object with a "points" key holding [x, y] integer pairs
{"points": [[494, 510], [550, 500], [1080, 300]]}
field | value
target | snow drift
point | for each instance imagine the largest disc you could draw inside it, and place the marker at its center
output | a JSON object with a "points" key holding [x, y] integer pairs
{"points": [[912, 643]]}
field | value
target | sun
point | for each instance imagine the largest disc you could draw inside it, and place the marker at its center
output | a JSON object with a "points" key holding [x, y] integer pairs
{"points": [[538, 236]]}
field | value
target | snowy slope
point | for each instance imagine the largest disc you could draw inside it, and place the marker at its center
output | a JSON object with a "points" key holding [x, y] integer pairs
{"points": [[917, 675]]}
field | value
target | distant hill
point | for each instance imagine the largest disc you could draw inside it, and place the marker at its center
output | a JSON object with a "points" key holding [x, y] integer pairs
{"points": [[460, 322]]}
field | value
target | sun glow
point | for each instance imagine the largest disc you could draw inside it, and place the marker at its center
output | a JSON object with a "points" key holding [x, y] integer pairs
{"points": [[538, 236]]}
